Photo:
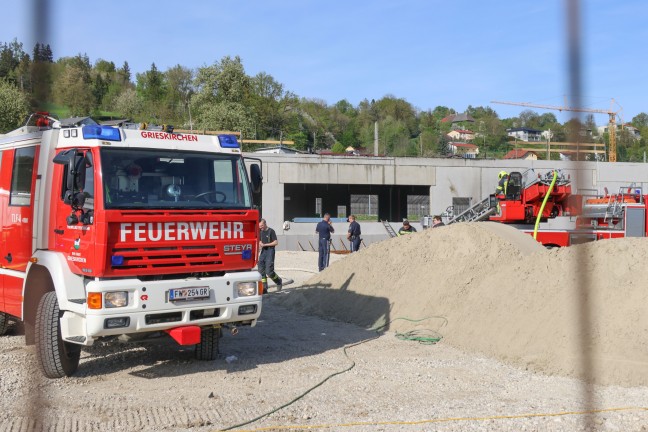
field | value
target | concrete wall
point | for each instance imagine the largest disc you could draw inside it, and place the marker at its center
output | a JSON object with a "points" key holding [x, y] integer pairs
{"points": [[446, 178]]}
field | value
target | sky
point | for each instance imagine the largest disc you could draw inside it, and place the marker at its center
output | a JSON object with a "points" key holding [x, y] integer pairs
{"points": [[452, 53]]}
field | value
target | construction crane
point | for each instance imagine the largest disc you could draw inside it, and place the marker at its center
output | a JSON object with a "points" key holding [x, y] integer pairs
{"points": [[612, 156]]}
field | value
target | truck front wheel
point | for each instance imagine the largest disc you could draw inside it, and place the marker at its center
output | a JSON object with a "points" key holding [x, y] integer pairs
{"points": [[4, 323], [56, 357], [207, 349]]}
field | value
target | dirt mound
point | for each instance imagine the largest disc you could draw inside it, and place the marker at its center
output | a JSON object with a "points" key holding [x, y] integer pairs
{"points": [[493, 290]]}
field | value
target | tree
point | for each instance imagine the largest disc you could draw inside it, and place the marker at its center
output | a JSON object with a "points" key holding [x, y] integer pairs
{"points": [[73, 86], [152, 90], [399, 110], [105, 86], [14, 107], [480, 111], [547, 120], [124, 74], [128, 104], [394, 136], [222, 93], [529, 119], [443, 145], [11, 55], [151, 85], [315, 116], [46, 54], [338, 148], [275, 109], [640, 120], [441, 112], [42, 53], [179, 90], [428, 142]]}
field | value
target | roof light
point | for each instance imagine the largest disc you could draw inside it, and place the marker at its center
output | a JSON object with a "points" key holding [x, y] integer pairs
{"points": [[106, 133], [228, 141]]}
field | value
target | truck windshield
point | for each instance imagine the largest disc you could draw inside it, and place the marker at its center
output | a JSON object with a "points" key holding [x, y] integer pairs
{"points": [[139, 178]]}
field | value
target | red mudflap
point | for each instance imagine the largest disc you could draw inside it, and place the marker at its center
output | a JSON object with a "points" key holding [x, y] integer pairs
{"points": [[188, 335]]}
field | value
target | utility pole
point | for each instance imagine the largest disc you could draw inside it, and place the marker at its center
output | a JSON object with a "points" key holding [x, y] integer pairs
{"points": [[376, 138]]}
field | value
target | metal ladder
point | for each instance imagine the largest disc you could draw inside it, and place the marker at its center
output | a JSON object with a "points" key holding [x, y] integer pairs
{"points": [[615, 207], [389, 228], [477, 212]]}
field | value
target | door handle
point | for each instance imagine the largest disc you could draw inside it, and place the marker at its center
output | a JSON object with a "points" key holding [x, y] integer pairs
{"points": [[9, 258], [58, 231]]}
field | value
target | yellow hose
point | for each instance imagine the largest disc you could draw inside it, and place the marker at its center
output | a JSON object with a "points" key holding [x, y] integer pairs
{"points": [[544, 201]]}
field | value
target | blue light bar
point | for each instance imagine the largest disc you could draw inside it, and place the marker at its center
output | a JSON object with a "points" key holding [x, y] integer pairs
{"points": [[228, 141], [106, 133]]}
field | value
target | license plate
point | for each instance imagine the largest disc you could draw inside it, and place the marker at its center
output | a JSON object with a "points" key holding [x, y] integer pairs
{"points": [[189, 293]]}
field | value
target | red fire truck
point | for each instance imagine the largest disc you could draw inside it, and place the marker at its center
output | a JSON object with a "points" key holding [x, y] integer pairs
{"points": [[110, 231], [565, 218]]}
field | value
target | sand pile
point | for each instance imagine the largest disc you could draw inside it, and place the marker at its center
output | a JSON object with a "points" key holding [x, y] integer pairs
{"points": [[503, 295]]}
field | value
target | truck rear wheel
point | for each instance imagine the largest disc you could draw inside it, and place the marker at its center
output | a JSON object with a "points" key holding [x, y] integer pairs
{"points": [[207, 349], [56, 357], [4, 323]]}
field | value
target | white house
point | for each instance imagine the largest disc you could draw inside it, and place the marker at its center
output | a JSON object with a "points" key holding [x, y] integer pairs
{"points": [[461, 135], [466, 150], [525, 134]]}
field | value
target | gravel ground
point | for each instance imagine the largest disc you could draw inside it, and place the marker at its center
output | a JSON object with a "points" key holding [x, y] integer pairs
{"points": [[360, 381]]}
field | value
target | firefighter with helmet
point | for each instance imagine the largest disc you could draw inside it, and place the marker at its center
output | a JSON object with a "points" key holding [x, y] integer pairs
{"points": [[502, 184]]}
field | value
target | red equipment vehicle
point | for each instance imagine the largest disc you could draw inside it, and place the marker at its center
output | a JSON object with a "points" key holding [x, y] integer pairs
{"points": [[566, 218], [110, 231]]}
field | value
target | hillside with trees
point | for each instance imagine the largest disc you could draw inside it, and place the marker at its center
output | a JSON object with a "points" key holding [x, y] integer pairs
{"points": [[222, 96]]}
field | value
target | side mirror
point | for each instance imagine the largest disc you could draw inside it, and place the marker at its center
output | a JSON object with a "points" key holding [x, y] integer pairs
{"points": [[256, 177], [75, 175], [76, 163], [79, 171]]}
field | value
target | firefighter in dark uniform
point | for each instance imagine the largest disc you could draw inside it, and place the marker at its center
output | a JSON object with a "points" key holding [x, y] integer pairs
{"points": [[267, 242], [324, 229], [353, 235]]}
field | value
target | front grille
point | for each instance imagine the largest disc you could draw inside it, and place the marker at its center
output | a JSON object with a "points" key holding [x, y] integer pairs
{"points": [[163, 318], [186, 258], [146, 243]]}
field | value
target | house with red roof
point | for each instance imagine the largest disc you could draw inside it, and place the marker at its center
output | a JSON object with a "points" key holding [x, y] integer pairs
{"points": [[521, 154]]}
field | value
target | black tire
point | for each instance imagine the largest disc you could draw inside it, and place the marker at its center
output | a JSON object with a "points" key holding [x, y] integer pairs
{"points": [[207, 349], [4, 323], [56, 357]]}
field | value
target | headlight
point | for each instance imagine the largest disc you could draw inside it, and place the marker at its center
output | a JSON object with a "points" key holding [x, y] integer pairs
{"points": [[116, 299], [246, 289]]}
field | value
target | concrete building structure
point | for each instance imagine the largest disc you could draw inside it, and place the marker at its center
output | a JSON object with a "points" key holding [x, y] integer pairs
{"points": [[303, 187]]}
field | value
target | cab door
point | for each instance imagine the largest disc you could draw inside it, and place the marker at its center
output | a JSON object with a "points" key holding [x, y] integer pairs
{"points": [[18, 224], [73, 226]]}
